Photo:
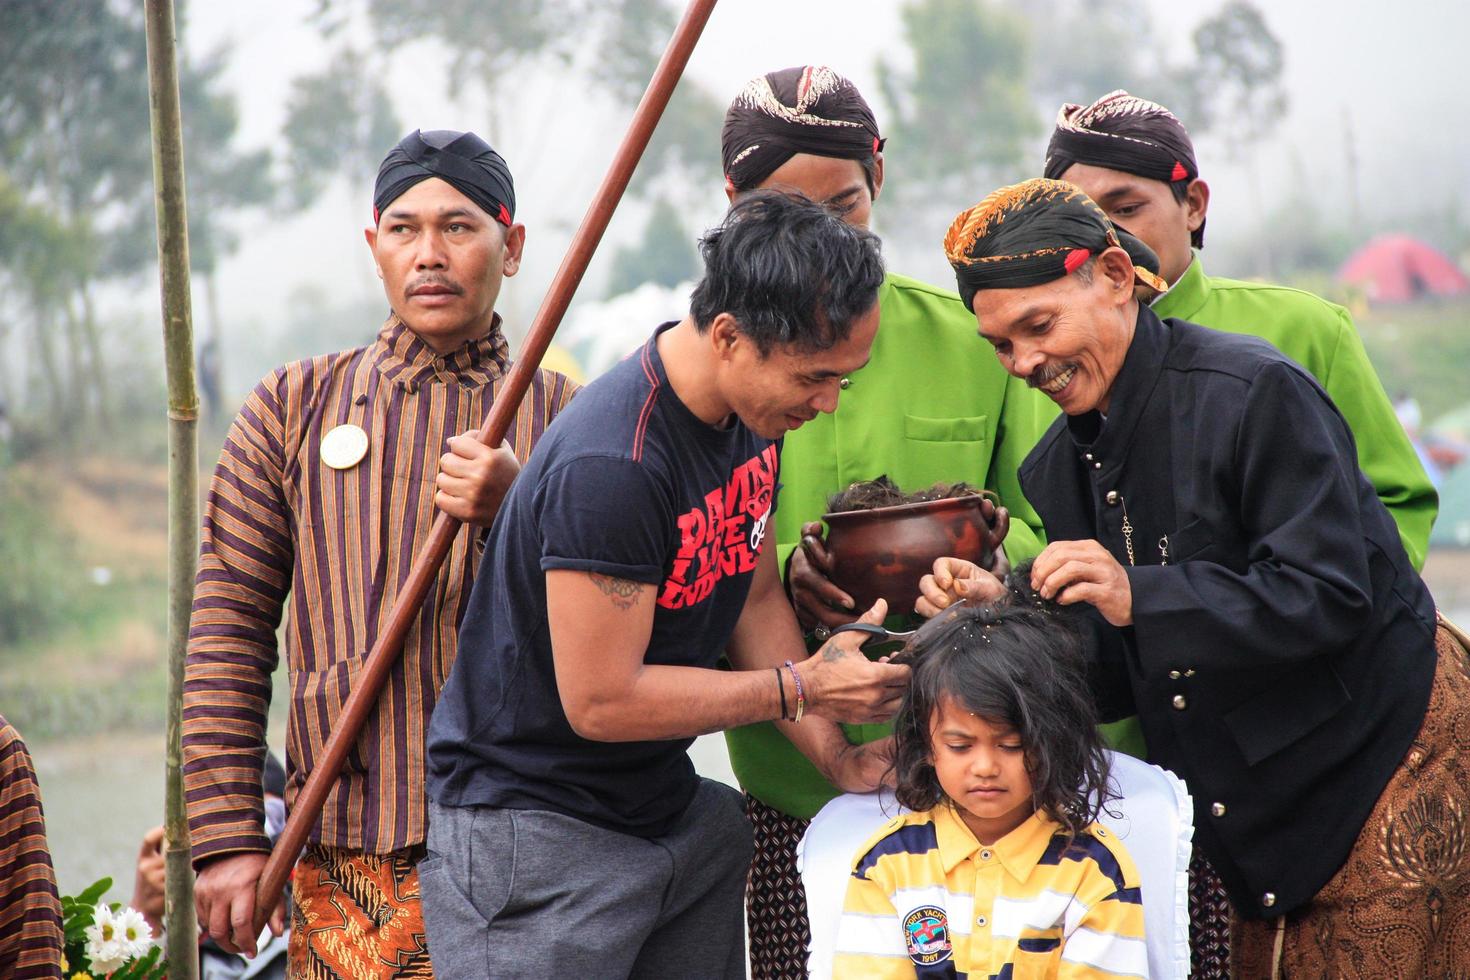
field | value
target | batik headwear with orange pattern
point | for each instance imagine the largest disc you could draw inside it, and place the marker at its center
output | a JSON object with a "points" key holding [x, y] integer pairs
{"points": [[1032, 233]]}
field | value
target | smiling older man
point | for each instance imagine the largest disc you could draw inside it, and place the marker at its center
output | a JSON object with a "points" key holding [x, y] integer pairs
{"points": [[1250, 595]]}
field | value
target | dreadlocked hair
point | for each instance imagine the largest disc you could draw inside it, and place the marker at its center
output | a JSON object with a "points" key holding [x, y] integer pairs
{"points": [[1018, 661]]}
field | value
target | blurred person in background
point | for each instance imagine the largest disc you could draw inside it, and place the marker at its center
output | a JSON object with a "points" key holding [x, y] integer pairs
{"points": [[930, 406], [325, 492]]}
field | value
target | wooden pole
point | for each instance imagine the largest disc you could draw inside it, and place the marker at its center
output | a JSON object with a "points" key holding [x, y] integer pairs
{"points": [[180, 925], [409, 603]]}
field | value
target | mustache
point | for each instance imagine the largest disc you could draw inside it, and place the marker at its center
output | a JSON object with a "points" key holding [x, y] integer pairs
{"points": [[1046, 375], [433, 280]]}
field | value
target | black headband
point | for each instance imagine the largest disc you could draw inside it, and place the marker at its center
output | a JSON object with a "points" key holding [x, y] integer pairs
{"points": [[462, 160]]}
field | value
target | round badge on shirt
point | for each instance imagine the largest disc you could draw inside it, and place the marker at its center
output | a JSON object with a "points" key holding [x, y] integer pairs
{"points": [[344, 447]]}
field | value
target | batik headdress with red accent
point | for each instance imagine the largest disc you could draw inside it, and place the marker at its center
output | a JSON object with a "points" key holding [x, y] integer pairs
{"points": [[807, 109], [1032, 233], [1123, 132]]}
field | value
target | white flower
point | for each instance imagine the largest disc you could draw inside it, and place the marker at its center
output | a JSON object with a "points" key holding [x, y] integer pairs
{"points": [[134, 931], [105, 947]]}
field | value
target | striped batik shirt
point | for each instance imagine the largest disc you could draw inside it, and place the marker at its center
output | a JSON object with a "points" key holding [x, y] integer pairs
{"points": [[926, 899], [331, 548], [30, 912]]}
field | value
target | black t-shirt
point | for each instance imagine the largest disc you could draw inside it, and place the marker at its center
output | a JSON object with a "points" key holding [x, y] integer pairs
{"points": [[626, 482]]}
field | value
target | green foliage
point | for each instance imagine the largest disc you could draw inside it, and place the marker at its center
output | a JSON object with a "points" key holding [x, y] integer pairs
{"points": [[1421, 348], [613, 50], [76, 194], [1083, 49], [72, 94], [963, 113], [486, 38], [220, 180], [665, 255], [39, 557], [337, 122]]}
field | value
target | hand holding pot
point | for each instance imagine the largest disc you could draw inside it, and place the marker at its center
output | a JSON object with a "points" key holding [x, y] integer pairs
{"points": [[997, 524], [817, 600]]}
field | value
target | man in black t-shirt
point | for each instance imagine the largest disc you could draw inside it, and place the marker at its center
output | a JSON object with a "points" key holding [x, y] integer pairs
{"points": [[569, 834]]}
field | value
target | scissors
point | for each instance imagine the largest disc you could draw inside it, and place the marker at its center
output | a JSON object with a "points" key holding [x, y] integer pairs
{"points": [[876, 635], [877, 640]]}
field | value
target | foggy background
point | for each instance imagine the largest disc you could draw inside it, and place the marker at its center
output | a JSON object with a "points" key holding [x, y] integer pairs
{"points": [[1317, 127]]}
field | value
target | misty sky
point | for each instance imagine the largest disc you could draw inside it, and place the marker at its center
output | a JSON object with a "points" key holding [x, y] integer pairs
{"points": [[1395, 69]]}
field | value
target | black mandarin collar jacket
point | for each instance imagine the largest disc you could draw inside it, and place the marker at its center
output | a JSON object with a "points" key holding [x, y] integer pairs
{"points": [[1280, 661]]}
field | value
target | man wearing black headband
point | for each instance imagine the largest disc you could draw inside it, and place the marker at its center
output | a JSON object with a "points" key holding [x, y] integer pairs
{"points": [[1249, 596], [1135, 159], [931, 406], [329, 481]]}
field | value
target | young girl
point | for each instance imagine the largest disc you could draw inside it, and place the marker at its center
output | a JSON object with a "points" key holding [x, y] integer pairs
{"points": [[1000, 871]]}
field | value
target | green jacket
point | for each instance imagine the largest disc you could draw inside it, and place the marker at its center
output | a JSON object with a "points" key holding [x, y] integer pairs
{"points": [[1320, 336], [932, 405]]}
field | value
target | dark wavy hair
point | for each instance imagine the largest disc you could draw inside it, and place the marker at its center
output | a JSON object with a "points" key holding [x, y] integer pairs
{"points": [[1017, 661], [790, 272]]}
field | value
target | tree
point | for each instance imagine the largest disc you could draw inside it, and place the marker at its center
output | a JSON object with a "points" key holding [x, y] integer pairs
{"points": [[963, 113], [612, 56], [665, 255], [73, 101], [614, 51], [1240, 65], [1083, 49], [686, 142], [337, 122]]}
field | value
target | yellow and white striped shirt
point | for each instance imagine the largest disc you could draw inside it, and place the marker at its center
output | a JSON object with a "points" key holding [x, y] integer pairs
{"points": [[926, 899]]}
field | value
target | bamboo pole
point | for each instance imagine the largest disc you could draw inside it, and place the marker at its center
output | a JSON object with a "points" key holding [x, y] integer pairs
{"points": [[409, 603], [180, 924]]}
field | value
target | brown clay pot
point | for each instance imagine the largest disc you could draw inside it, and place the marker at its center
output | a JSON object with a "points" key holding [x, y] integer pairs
{"points": [[884, 552]]}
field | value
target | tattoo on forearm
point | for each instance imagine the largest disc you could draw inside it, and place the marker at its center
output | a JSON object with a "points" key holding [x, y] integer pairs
{"points": [[622, 592]]}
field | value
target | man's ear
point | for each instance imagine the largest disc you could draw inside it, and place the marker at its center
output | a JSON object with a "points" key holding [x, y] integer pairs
{"points": [[1115, 268], [725, 336], [877, 177], [371, 235], [515, 246], [1197, 201]]}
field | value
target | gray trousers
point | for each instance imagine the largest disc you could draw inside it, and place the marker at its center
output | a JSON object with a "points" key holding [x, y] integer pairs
{"points": [[529, 893]]}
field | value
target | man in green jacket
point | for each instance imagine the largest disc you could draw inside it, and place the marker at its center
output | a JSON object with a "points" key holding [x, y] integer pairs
{"points": [[932, 405], [1135, 159]]}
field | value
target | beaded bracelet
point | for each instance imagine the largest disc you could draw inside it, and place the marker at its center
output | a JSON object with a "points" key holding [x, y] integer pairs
{"points": [[800, 694], [781, 686]]}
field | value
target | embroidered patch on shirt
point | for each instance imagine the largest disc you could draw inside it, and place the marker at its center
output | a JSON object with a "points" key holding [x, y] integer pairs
{"points": [[926, 930]]}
